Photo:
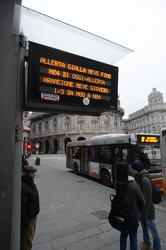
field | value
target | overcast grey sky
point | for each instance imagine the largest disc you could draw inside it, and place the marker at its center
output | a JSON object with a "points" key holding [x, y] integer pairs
{"points": [[138, 25]]}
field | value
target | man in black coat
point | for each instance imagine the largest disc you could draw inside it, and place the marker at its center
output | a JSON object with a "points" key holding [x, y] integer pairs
{"points": [[29, 207]]}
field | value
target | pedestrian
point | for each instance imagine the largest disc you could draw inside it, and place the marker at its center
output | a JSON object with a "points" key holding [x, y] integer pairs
{"points": [[29, 207], [148, 220], [24, 161], [139, 204], [145, 160]]}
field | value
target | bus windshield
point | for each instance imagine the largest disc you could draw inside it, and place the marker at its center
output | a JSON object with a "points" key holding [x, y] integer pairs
{"points": [[151, 153]]}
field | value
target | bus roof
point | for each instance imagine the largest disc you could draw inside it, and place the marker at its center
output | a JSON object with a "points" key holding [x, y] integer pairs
{"points": [[105, 139], [106, 136], [115, 139]]}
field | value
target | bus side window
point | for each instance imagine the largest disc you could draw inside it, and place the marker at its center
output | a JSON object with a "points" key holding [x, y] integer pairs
{"points": [[125, 155], [94, 153], [105, 154]]}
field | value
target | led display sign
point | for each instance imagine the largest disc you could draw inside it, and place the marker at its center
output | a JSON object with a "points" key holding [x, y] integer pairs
{"points": [[63, 82], [148, 139]]}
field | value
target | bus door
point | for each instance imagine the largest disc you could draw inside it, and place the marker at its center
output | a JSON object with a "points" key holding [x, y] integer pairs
{"points": [[69, 158], [119, 153], [84, 160], [116, 155], [115, 160]]}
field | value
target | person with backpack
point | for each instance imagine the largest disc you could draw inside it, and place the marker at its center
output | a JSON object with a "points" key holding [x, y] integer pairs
{"points": [[148, 219], [138, 209], [127, 206]]}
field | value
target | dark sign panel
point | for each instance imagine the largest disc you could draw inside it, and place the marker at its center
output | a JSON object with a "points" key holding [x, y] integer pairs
{"points": [[63, 82], [148, 139]]}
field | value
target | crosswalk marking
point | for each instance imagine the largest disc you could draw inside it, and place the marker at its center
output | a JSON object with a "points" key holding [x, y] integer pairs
{"points": [[48, 157]]}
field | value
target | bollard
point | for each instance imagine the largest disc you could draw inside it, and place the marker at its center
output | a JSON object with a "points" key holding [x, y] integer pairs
{"points": [[37, 162]]}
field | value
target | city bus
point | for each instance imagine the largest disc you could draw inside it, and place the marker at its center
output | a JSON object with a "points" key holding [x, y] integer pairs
{"points": [[163, 147], [163, 156], [98, 156]]}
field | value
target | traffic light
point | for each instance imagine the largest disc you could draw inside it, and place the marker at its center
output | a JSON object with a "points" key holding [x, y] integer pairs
{"points": [[28, 146]]}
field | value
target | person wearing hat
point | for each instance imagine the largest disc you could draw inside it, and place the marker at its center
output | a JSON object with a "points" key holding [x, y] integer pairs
{"points": [[142, 177], [29, 207]]}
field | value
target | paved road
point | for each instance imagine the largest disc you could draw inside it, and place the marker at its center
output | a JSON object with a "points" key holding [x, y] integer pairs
{"points": [[58, 161], [74, 210]]}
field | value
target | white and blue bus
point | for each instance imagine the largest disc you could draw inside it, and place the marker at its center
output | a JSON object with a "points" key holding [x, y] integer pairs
{"points": [[98, 156]]}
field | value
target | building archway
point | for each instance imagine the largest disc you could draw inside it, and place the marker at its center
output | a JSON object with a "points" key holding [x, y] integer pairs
{"points": [[55, 146], [81, 138], [66, 141], [33, 147], [46, 147], [40, 147]]}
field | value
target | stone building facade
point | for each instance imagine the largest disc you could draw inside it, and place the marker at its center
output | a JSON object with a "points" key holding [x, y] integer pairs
{"points": [[50, 133], [151, 118]]}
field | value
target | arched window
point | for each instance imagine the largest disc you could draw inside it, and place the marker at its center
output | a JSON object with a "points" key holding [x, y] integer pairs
{"points": [[154, 129], [34, 128], [46, 126], [40, 127], [143, 122], [137, 124], [152, 118], [158, 129], [94, 123], [55, 125], [67, 123], [106, 122], [80, 122], [115, 121]]}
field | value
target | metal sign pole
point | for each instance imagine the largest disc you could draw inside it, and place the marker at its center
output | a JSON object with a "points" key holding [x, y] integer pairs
{"points": [[10, 130]]}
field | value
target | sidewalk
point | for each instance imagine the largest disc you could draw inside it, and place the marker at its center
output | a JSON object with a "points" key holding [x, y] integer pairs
{"points": [[73, 214]]}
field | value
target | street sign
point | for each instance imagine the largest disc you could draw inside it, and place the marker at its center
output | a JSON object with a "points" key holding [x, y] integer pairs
{"points": [[36, 145], [59, 81]]}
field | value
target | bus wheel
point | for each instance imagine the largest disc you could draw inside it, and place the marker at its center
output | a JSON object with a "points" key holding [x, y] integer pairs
{"points": [[75, 168], [105, 178]]}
